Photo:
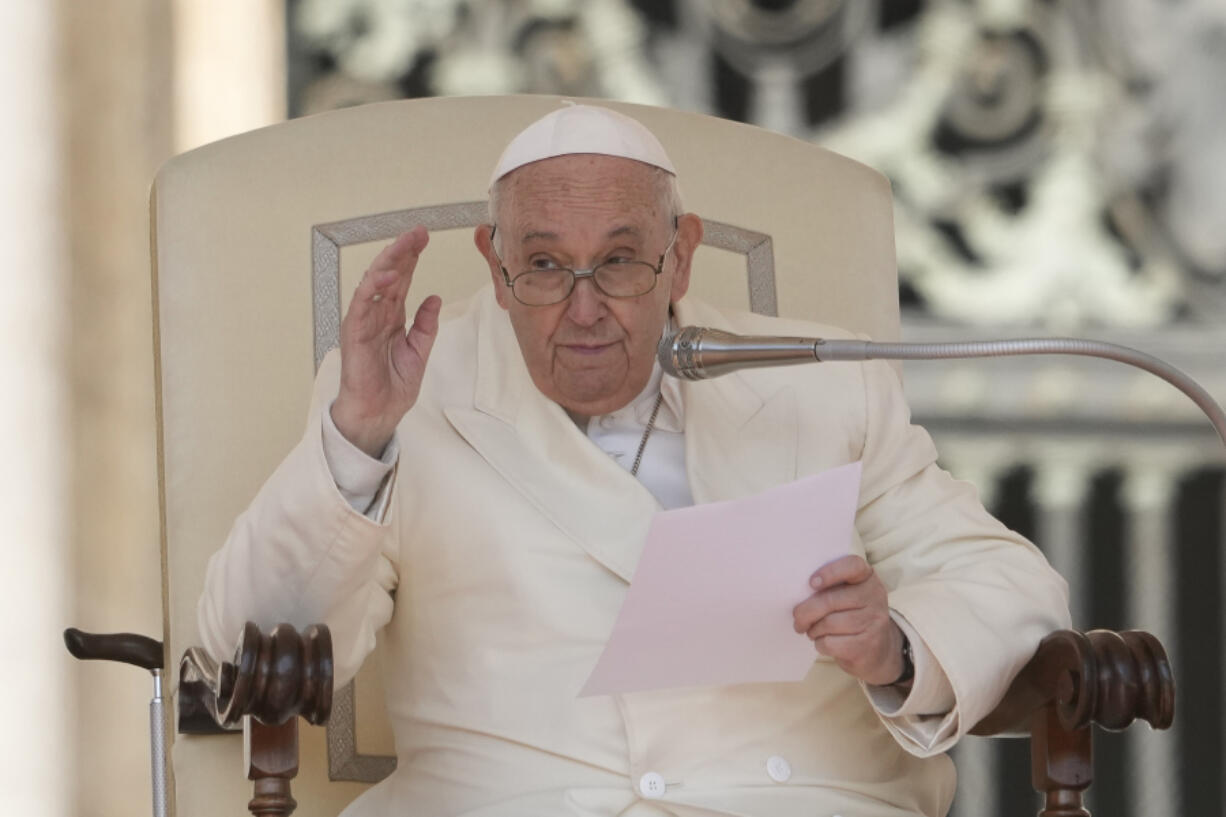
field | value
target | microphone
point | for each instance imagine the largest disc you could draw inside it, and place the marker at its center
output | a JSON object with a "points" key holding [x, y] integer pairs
{"points": [[699, 353]]}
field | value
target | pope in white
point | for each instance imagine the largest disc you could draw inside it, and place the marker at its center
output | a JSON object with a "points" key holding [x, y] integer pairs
{"points": [[478, 488]]}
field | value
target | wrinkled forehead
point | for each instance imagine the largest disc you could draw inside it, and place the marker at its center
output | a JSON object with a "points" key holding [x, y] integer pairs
{"points": [[582, 185]]}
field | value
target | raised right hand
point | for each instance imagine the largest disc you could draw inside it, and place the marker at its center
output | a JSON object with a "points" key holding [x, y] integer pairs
{"points": [[381, 364]]}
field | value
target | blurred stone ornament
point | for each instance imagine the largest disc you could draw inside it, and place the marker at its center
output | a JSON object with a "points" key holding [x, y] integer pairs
{"points": [[992, 108], [1166, 136], [806, 35], [329, 92], [474, 71], [996, 94], [567, 47], [558, 60], [376, 40]]}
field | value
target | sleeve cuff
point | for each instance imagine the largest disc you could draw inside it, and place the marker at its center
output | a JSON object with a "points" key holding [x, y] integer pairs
{"points": [[930, 693], [362, 480]]}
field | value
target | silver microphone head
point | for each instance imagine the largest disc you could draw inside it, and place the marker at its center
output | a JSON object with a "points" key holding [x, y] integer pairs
{"points": [[676, 352], [698, 352]]}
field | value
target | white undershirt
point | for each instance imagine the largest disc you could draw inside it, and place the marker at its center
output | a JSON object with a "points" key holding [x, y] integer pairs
{"points": [[619, 434]]}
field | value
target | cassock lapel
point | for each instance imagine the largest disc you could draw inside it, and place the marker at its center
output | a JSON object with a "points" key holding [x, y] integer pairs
{"points": [[738, 441], [532, 443]]}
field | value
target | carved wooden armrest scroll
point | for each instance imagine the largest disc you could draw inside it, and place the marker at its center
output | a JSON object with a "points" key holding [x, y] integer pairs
{"points": [[1076, 680], [273, 679]]}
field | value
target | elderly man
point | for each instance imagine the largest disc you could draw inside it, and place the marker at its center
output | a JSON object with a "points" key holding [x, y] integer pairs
{"points": [[479, 488]]}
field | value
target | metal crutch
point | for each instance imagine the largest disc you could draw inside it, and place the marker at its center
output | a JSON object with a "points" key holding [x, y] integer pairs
{"points": [[140, 651]]}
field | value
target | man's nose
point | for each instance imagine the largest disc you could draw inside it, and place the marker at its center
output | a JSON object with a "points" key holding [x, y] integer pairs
{"points": [[586, 304]]}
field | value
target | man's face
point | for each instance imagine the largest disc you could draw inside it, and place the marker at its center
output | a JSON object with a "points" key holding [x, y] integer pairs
{"points": [[591, 353]]}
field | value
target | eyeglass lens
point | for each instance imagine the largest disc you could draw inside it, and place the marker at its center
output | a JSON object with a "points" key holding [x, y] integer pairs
{"points": [[625, 279]]}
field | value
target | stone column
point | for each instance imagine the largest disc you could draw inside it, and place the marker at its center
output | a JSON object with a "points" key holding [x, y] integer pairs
{"points": [[140, 80], [115, 87], [1149, 487], [230, 68], [1061, 483], [36, 761]]}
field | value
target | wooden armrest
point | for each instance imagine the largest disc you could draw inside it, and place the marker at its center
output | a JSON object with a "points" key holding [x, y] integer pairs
{"points": [[1101, 677], [1076, 680], [272, 680]]}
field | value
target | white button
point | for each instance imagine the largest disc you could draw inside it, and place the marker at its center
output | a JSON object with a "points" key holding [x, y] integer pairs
{"points": [[779, 769], [606, 422], [651, 786]]}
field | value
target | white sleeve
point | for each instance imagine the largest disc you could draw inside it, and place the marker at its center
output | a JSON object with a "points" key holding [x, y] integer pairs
{"points": [[301, 554], [927, 707], [978, 596], [361, 479]]}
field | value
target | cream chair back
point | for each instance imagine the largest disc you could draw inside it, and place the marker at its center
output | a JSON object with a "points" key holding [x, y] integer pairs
{"points": [[259, 239]]}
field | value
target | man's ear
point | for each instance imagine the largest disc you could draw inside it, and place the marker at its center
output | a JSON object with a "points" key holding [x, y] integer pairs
{"points": [[689, 236], [483, 238]]}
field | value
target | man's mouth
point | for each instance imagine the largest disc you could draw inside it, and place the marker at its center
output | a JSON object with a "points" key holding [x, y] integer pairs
{"points": [[586, 348]]}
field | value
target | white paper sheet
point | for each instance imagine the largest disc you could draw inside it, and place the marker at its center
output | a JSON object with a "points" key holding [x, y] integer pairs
{"points": [[711, 599]]}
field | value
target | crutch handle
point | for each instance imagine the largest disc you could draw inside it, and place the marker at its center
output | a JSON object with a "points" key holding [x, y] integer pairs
{"points": [[144, 652], [129, 648]]}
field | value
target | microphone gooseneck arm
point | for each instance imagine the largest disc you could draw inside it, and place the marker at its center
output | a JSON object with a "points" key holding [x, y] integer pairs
{"points": [[696, 353]]}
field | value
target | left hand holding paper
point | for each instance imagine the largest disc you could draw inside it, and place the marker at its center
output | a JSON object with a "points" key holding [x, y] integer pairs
{"points": [[848, 619]]}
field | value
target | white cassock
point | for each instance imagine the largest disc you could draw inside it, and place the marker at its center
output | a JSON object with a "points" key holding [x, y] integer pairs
{"points": [[496, 554]]}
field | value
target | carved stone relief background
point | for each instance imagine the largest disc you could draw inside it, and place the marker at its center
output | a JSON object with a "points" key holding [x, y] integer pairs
{"points": [[1056, 164]]}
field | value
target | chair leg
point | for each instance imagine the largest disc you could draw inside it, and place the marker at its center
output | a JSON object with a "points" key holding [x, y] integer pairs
{"points": [[272, 763], [1061, 763]]}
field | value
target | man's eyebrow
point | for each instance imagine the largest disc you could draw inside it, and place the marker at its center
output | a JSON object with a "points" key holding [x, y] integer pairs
{"points": [[547, 235], [539, 234]]}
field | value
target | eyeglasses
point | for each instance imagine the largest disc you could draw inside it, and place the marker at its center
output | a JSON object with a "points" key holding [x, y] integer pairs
{"points": [[615, 278]]}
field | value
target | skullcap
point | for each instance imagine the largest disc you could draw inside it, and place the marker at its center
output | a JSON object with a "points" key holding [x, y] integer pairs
{"points": [[582, 129]]}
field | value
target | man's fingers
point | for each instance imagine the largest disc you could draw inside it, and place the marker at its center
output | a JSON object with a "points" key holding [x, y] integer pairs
{"points": [[848, 620], [389, 275], [404, 249], [819, 605], [846, 570], [839, 647], [378, 300], [843, 622], [425, 326], [873, 658], [411, 352]]}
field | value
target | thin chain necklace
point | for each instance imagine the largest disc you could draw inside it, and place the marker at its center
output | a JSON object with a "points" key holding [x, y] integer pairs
{"points": [[651, 423]]}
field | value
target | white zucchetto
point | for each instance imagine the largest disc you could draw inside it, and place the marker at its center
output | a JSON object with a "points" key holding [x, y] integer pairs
{"points": [[582, 129]]}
